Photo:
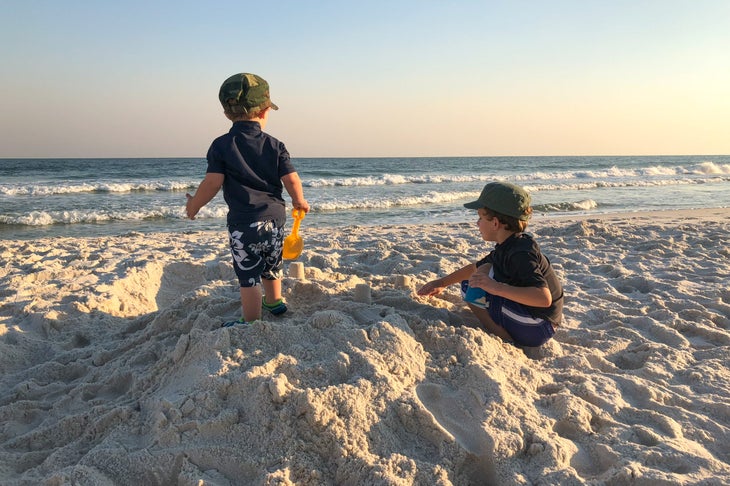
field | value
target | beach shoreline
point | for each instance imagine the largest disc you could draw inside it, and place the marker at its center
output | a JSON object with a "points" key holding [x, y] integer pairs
{"points": [[116, 370], [703, 214]]}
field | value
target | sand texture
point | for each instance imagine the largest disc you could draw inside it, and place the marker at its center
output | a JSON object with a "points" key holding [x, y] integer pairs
{"points": [[115, 370]]}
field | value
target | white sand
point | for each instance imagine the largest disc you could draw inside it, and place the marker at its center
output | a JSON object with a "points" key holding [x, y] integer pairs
{"points": [[115, 370]]}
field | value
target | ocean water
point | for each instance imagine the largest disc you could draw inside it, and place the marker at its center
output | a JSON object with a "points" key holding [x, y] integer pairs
{"points": [[41, 198]]}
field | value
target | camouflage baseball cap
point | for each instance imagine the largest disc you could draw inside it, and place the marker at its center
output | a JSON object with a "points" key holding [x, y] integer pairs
{"points": [[244, 92], [503, 198]]}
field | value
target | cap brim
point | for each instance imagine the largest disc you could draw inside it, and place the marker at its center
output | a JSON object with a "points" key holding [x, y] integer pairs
{"points": [[473, 205], [274, 107]]}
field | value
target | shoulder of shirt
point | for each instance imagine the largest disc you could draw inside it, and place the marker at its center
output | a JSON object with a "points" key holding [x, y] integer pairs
{"points": [[525, 237], [523, 242]]}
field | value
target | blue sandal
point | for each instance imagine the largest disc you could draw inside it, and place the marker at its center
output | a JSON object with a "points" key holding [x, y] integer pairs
{"points": [[234, 323], [277, 308]]}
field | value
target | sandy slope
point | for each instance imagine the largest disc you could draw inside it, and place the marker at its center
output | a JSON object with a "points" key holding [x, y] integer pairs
{"points": [[115, 370]]}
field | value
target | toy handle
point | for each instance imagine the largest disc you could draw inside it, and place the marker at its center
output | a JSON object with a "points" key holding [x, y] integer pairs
{"points": [[298, 215]]}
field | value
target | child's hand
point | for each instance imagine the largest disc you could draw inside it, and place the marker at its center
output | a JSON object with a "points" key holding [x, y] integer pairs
{"points": [[431, 288], [189, 209], [301, 204], [206, 191], [483, 281]]}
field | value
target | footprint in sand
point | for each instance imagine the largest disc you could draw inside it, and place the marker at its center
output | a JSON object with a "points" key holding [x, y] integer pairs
{"points": [[459, 413]]}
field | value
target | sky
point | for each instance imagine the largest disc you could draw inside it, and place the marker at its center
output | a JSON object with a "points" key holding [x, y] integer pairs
{"points": [[394, 78]]}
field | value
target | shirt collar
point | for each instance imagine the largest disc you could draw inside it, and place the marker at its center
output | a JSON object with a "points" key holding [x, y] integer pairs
{"points": [[511, 237], [246, 126]]}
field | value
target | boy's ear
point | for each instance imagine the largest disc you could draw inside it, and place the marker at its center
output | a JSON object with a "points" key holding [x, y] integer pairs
{"points": [[262, 114]]}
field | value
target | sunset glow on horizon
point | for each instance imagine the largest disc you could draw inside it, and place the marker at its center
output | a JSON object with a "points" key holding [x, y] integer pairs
{"points": [[403, 78]]}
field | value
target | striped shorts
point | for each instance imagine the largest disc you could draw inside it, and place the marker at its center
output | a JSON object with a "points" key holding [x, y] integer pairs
{"points": [[513, 317]]}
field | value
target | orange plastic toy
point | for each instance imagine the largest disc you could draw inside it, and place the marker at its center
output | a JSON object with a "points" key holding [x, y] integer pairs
{"points": [[293, 244]]}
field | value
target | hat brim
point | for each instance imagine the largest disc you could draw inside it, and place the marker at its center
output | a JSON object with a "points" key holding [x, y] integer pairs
{"points": [[473, 205]]}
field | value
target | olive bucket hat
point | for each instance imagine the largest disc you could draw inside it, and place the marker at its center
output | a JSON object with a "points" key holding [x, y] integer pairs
{"points": [[504, 198], [244, 93]]}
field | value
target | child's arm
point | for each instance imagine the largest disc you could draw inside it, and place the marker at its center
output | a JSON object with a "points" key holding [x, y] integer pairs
{"points": [[436, 286], [293, 185], [532, 296], [206, 191]]}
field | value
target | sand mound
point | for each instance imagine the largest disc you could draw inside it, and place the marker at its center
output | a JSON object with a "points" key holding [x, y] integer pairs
{"points": [[116, 372]]}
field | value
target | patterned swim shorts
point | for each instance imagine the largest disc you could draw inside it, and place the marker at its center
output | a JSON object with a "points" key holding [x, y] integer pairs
{"points": [[256, 251]]}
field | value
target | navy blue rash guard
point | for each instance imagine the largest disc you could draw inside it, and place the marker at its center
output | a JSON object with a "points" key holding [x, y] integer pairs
{"points": [[253, 163]]}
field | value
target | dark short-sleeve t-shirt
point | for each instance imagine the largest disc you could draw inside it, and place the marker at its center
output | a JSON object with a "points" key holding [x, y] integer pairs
{"points": [[253, 163], [518, 261]]}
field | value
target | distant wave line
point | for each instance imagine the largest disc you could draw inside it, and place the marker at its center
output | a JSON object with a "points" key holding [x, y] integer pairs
{"points": [[567, 185], [98, 187], [613, 177], [47, 218], [705, 168]]}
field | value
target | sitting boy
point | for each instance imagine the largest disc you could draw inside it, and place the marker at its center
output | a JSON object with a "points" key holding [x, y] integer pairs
{"points": [[513, 291]]}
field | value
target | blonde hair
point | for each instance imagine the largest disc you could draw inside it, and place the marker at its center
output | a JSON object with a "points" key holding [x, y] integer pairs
{"points": [[252, 113]]}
